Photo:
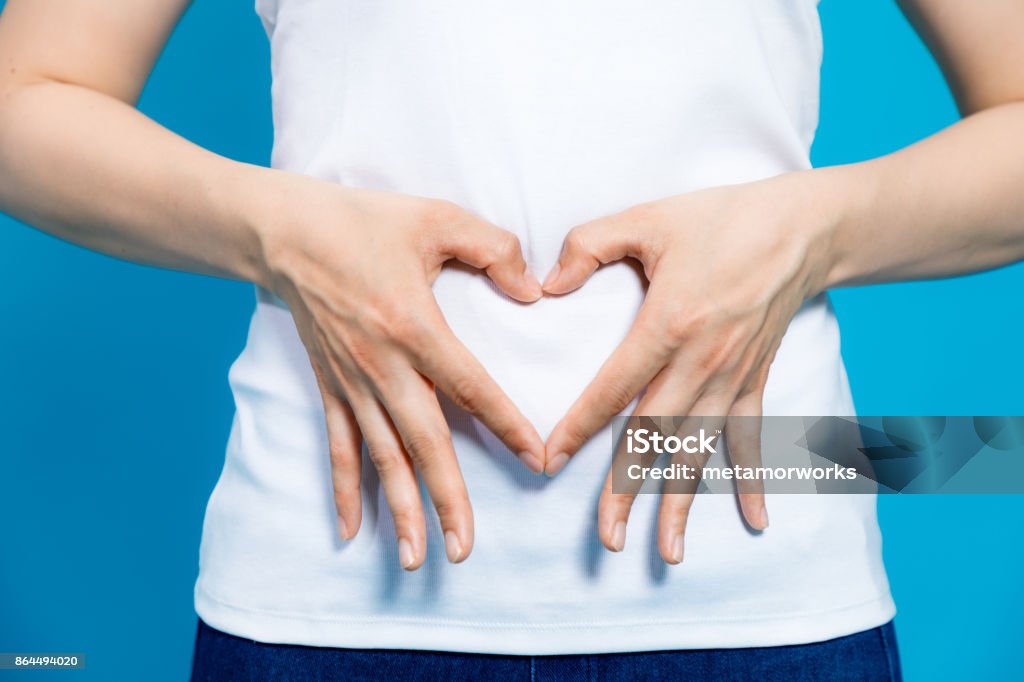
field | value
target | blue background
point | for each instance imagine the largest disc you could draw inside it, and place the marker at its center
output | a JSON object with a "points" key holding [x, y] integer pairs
{"points": [[114, 406]]}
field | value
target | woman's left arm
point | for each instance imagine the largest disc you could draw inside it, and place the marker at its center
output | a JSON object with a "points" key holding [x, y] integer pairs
{"points": [[954, 202], [729, 267]]}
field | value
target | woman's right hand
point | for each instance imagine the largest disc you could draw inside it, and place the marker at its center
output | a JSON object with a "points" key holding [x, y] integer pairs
{"points": [[356, 267]]}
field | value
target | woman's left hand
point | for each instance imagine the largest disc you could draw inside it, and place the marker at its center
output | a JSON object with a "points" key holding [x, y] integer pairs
{"points": [[728, 269]]}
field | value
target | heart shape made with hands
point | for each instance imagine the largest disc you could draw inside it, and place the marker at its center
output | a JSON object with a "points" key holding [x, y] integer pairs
{"points": [[707, 329], [704, 339]]}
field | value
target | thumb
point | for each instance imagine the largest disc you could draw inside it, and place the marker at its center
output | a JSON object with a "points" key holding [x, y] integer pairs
{"points": [[484, 246], [589, 246]]}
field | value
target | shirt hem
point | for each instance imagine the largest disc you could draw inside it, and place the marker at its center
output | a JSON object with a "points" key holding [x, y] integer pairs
{"points": [[532, 639]]}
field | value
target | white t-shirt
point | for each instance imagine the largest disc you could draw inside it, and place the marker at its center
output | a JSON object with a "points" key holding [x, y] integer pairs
{"points": [[537, 115]]}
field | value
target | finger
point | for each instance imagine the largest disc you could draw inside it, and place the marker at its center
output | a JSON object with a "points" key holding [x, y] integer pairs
{"points": [[613, 516], [345, 445], [743, 435], [673, 515], [397, 477], [699, 420], [588, 246], [416, 414], [480, 244], [442, 358], [677, 395], [627, 371], [669, 394], [686, 407]]}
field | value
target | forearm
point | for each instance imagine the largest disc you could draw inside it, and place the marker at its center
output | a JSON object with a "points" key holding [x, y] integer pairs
{"points": [[948, 205], [91, 169]]}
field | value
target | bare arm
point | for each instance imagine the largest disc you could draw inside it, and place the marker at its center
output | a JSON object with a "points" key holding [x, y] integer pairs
{"points": [[354, 266], [77, 159], [954, 202]]}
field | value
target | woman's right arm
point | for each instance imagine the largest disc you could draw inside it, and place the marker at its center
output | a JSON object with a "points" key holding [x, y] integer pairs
{"points": [[79, 161]]}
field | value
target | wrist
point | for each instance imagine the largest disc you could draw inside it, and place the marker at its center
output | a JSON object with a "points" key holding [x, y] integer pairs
{"points": [[825, 202], [235, 206], [263, 197], [845, 194]]}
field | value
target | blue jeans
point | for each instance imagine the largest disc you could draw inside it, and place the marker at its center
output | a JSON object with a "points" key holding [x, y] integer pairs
{"points": [[863, 657]]}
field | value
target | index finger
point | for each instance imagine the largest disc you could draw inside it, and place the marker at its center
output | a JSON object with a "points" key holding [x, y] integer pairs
{"points": [[632, 366], [457, 373]]}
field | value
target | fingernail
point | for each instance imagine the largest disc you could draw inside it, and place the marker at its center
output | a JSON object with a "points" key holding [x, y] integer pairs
{"points": [[452, 546], [342, 527], [553, 275], [535, 287], [619, 536], [532, 462], [405, 554], [677, 549], [556, 464], [763, 518]]}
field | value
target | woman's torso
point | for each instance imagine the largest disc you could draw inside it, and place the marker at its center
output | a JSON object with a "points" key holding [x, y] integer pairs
{"points": [[537, 116]]}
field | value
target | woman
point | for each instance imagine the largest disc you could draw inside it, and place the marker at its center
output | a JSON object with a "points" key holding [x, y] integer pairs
{"points": [[511, 144]]}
